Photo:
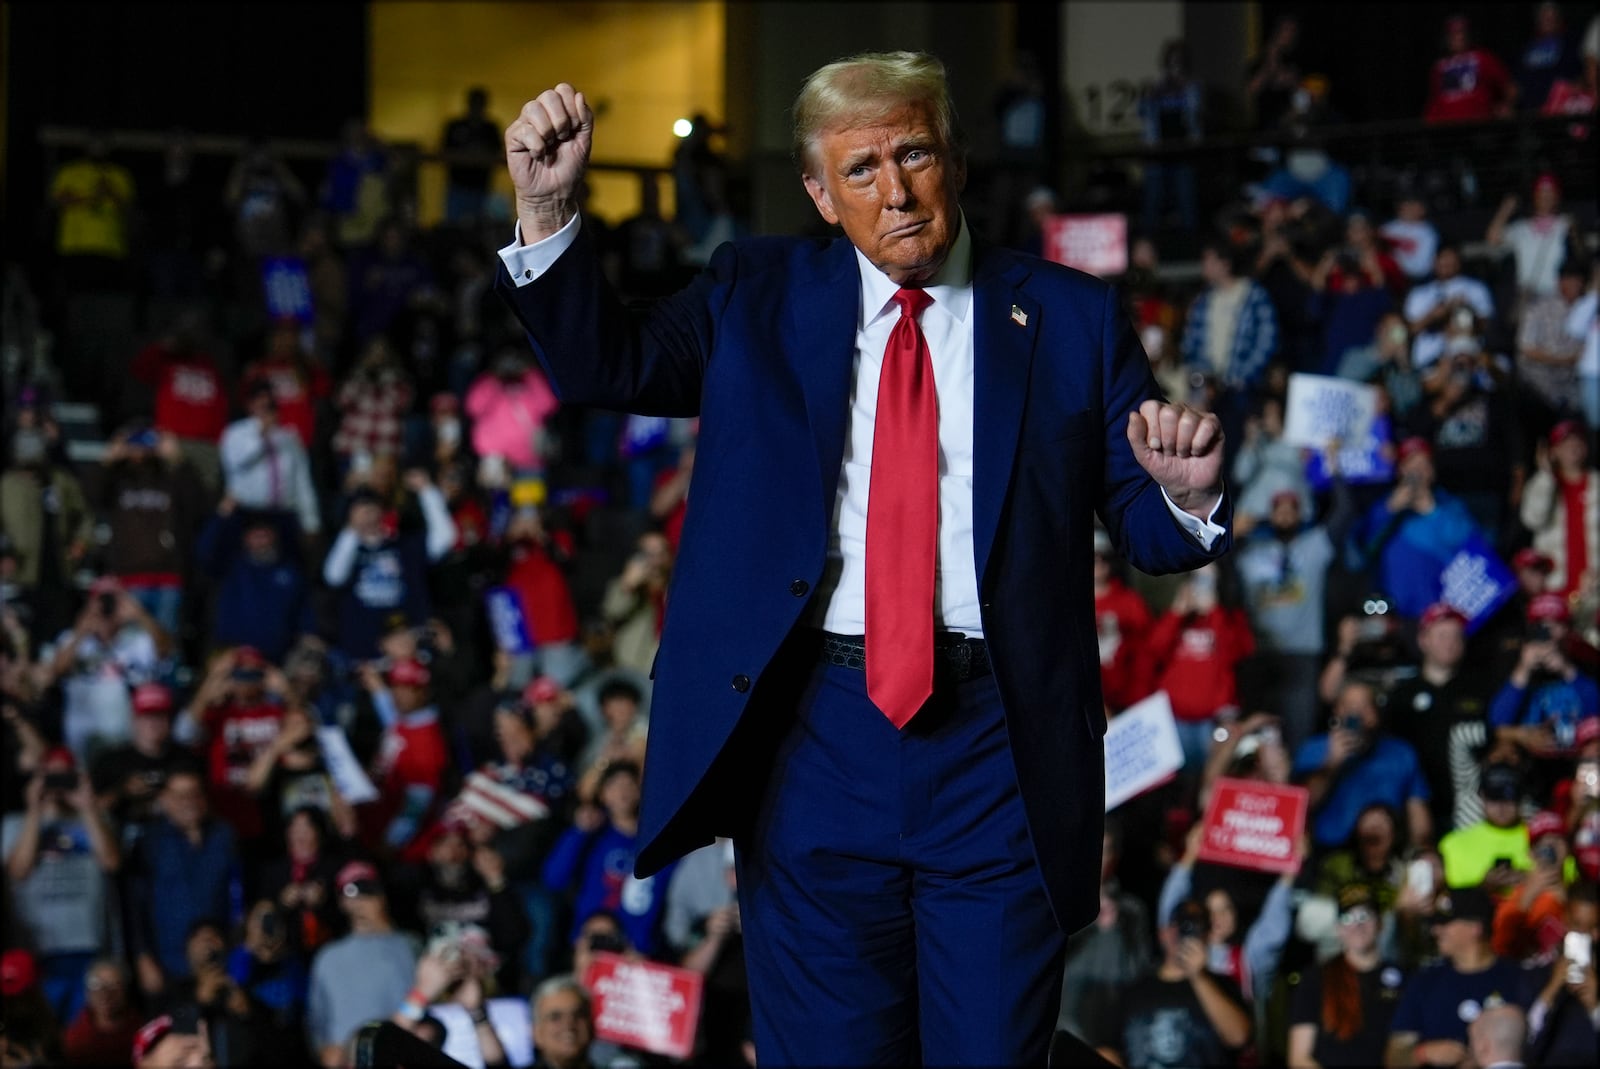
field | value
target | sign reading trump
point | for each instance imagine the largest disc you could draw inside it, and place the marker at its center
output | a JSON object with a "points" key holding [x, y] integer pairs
{"points": [[1254, 825], [640, 1004]]}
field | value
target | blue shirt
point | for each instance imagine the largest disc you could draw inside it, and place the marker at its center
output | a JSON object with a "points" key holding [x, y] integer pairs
{"points": [[1557, 702], [1440, 1002], [1388, 773], [179, 883], [601, 864]]}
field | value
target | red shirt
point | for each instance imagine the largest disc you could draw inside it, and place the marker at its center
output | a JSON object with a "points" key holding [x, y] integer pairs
{"points": [[84, 1044], [1122, 620], [238, 734], [296, 392], [1196, 655], [190, 400], [546, 599], [1467, 85]]}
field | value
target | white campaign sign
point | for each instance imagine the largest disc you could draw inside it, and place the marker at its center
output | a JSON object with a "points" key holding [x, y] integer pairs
{"points": [[349, 778], [1322, 407], [1142, 749]]}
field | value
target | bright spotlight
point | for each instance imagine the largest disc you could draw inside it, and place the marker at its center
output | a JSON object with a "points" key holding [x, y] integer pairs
{"points": [[682, 127]]}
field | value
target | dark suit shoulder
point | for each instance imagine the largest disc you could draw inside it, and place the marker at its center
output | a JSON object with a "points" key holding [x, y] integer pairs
{"points": [[1044, 277]]}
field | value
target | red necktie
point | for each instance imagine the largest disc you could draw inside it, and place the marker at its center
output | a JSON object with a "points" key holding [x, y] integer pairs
{"points": [[903, 521]]}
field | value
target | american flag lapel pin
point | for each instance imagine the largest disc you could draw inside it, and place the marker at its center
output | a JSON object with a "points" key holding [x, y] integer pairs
{"points": [[1018, 316]]}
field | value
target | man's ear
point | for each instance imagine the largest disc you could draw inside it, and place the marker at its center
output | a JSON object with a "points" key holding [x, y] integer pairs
{"points": [[820, 197]]}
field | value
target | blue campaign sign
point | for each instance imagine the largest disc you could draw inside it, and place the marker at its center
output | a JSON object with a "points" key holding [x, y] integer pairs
{"points": [[1360, 461], [287, 288], [1476, 582], [506, 620]]}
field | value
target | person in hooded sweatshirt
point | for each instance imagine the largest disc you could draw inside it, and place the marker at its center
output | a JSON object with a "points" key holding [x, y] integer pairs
{"points": [[263, 594]]}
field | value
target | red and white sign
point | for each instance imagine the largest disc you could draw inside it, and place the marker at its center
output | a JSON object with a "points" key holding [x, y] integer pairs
{"points": [[1253, 825], [640, 1004], [1097, 244]]}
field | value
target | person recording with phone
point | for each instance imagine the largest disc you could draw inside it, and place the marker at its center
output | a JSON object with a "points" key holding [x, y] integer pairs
{"points": [[1492, 852], [1546, 696], [1528, 922], [1564, 1020]]}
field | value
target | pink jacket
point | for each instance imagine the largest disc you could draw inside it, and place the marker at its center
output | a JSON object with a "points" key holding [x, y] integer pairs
{"points": [[506, 419]]}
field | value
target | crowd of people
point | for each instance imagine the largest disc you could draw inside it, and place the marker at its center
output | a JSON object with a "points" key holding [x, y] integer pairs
{"points": [[326, 685]]}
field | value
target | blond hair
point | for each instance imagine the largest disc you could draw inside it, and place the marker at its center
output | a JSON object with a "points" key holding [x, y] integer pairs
{"points": [[866, 87]]}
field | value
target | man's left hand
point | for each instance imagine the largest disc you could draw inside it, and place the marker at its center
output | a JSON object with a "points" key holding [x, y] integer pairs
{"points": [[1181, 448]]}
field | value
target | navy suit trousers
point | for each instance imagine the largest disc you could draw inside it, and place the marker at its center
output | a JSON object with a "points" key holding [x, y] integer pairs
{"points": [[893, 912]]}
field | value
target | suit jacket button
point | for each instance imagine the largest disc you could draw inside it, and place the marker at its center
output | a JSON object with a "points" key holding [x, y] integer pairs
{"points": [[799, 588], [741, 683]]}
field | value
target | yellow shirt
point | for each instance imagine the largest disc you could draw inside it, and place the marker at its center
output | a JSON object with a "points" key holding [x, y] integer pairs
{"points": [[1469, 853], [92, 198]]}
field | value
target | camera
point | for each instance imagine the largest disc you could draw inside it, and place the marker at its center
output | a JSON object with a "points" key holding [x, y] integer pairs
{"points": [[60, 781], [1545, 854], [1192, 926], [107, 603], [271, 924], [606, 942]]}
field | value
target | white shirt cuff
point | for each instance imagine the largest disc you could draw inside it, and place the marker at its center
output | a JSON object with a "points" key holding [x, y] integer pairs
{"points": [[1205, 531], [527, 262]]}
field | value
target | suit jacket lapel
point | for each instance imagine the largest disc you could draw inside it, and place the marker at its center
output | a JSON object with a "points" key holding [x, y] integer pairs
{"points": [[820, 328], [1004, 331]]}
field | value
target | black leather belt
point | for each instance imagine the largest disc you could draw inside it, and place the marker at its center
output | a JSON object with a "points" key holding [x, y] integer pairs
{"points": [[956, 657]]}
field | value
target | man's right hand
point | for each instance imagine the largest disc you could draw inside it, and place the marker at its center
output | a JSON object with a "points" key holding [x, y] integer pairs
{"points": [[547, 152]]}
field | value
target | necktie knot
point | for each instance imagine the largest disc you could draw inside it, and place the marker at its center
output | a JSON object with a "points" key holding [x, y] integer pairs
{"points": [[912, 302]]}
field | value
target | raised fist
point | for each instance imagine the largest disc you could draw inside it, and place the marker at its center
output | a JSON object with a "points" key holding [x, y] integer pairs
{"points": [[547, 152]]}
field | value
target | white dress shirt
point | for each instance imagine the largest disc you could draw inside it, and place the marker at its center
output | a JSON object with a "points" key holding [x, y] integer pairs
{"points": [[269, 472], [840, 601]]}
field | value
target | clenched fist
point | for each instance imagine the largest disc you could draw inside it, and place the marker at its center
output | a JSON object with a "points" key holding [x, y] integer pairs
{"points": [[547, 151]]}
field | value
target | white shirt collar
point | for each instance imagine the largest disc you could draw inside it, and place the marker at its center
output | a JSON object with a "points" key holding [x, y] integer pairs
{"points": [[951, 288]]}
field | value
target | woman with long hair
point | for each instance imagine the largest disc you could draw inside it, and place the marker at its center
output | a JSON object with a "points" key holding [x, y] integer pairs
{"points": [[1341, 1010]]}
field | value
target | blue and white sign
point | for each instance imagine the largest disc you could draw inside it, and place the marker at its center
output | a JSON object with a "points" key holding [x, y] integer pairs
{"points": [[287, 288], [642, 434], [1361, 461], [1476, 582], [1320, 408], [506, 619], [1141, 749]]}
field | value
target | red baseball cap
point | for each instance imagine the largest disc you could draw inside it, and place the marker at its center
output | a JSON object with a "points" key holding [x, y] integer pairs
{"points": [[1545, 823], [151, 698], [1588, 730], [18, 972], [1567, 428], [58, 755], [354, 874], [1547, 181], [107, 584], [1440, 611], [409, 673], [1411, 447], [1549, 607], [1532, 558], [153, 1032], [543, 689], [248, 658]]}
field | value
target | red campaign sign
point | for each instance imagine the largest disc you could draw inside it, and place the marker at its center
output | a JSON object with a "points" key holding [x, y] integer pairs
{"points": [[1097, 244], [640, 1004], [1254, 825]]}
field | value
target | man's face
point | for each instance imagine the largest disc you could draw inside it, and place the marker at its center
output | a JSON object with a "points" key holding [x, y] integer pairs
{"points": [[620, 795], [261, 543], [184, 800], [892, 184], [1418, 466], [151, 730], [1500, 814], [205, 947], [1457, 937], [1571, 452], [562, 1030], [1358, 701], [1213, 268], [619, 711], [1443, 642], [1447, 264], [106, 991], [1286, 512]]}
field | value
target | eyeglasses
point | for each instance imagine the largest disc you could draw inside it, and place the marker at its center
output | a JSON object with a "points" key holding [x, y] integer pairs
{"points": [[1357, 915], [97, 984]]}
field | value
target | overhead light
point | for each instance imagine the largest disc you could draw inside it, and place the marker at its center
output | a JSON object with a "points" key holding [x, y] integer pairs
{"points": [[682, 128]]}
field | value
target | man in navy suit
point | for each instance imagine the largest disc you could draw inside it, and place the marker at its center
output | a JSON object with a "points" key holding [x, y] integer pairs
{"points": [[893, 710]]}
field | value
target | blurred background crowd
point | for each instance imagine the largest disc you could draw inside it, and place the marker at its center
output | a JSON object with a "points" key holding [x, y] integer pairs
{"points": [[328, 629]]}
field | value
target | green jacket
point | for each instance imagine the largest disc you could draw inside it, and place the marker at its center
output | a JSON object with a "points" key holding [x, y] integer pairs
{"points": [[22, 516]]}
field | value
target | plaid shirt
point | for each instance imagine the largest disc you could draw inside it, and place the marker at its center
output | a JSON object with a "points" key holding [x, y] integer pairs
{"points": [[1255, 337], [374, 415]]}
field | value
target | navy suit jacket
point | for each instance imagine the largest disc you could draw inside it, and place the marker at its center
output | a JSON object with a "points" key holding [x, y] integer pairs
{"points": [[761, 347]]}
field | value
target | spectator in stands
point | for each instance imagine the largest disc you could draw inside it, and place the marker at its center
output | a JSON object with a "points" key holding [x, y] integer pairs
{"points": [[387, 280], [1195, 648], [1467, 83], [102, 1034], [1561, 1021], [115, 645], [354, 191], [1357, 764], [594, 860], [1183, 1014], [1104, 959], [1430, 1024], [379, 567], [1231, 333], [151, 500], [1352, 287], [1426, 709], [1122, 621], [46, 520], [1538, 243], [1371, 859], [509, 405], [1530, 920], [264, 464], [263, 594], [464, 883], [330, 290], [373, 403], [1406, 539], [1547, 356], [1283, 569], [1540, 705], [298, 380], [1170, 113], [1551, 56], [60, 856], [1275, 76], [1491, 852], [621, 738], [471, 144], [703, 885], [362, 976], [263, 195], [191, 398], [128, 779], [634, 603], [235, 716], [187, 868], [1498, 1036], [1449, 301], [1561, 510], [413, 760], [1470, 415], [1342, 1008], [301, 882], [1411, 238], [563, 1024], [1266, 466]]}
